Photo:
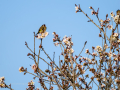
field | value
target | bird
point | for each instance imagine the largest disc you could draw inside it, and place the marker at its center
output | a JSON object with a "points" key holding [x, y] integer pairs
{"points": [[42, 29], [113, 38], [118, 12]]}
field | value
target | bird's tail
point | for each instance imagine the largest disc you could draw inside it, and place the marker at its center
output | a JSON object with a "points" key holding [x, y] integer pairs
{"points": [[36, 34]]}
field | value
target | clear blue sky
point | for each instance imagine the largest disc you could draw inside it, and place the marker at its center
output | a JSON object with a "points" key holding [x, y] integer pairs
{"points": [[20, 18]]}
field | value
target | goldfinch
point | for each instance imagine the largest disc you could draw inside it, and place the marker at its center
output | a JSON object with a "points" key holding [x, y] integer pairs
{"points": [[42, 29], [118, 12]]}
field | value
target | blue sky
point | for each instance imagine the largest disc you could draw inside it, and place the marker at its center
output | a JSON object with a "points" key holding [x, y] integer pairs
{"points": [[20, 18]]}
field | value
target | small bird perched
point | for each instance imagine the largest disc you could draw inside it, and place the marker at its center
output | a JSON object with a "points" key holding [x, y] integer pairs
{"points": [[42, 29], [118, 12], [113, 38]]}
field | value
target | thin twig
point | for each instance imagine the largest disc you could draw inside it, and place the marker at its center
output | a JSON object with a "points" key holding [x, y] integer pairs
{"points": [[94, 23]]}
